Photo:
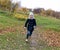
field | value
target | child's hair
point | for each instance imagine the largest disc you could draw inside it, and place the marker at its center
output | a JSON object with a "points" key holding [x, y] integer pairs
{"points": [[31, 13]]}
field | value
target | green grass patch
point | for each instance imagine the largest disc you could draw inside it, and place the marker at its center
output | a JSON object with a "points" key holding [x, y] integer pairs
{"points": [[48, 22]]}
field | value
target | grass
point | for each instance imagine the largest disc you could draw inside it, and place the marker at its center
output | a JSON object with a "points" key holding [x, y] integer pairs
{"points": [[48, 23], [12, 40], [15, 40], [9, 21]]}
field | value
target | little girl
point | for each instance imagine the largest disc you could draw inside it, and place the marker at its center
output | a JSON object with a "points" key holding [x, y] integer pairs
{"points": [[30, 25]]}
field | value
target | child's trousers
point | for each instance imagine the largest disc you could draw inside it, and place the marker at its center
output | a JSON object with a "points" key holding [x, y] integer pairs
{"points": [[29, 33]]}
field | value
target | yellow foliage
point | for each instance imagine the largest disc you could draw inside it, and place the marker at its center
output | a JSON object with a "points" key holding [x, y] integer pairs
{"points": [[17, 15]]}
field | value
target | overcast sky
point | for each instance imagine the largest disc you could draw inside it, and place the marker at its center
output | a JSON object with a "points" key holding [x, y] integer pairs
{"points": [[47, 4]]}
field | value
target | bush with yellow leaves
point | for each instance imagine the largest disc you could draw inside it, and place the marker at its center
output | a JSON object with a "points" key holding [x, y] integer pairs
{"points": [[22, 16]]}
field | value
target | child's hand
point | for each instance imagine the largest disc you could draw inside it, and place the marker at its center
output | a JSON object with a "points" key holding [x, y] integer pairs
{"points": [[24, 28], [34, 27]]}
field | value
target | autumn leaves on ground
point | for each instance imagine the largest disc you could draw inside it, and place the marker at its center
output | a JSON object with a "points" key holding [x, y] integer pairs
{"points": [[12, 33]]}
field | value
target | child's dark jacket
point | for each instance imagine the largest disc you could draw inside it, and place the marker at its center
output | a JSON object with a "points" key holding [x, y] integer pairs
{"points": [[30, 23]]}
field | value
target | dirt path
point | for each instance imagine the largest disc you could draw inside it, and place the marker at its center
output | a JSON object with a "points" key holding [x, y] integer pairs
{"points": [[37, 40], [34, 44]]}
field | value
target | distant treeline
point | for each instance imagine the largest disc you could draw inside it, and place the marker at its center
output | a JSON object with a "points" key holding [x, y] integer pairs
{"points": [[49, 12]]}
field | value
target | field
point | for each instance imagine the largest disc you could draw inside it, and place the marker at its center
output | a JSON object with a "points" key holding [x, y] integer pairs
{"points": [[12, 34]]}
